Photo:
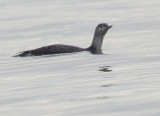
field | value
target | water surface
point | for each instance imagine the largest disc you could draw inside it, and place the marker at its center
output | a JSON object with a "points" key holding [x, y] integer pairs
{"points": [[124, 81]]}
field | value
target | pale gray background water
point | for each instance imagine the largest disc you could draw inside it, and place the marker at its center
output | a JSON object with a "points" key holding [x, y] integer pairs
{"points": [[80, 84]]}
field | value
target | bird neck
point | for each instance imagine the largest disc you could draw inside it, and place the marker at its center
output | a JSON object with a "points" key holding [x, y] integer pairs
{"points": [[97, 42]]}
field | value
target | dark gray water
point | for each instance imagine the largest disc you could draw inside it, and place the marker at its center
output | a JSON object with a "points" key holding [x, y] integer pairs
{"points": [[124, 81]]}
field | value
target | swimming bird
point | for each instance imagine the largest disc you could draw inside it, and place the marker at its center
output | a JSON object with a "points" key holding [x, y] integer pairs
{"points": [[95, 47]]}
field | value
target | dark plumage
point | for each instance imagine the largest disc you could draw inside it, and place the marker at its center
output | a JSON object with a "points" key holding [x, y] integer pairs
{"points": [[52, 49], [95, 47]]}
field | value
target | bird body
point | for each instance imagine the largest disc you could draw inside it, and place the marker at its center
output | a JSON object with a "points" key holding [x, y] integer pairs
{"points": [[95, 47], [51, 49]]}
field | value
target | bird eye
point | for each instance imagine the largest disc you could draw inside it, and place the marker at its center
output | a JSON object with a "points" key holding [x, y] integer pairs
{"points": [[101, 26]]}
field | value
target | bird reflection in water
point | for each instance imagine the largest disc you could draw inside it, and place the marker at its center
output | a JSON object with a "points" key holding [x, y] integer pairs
{"points": [[105, 69]]}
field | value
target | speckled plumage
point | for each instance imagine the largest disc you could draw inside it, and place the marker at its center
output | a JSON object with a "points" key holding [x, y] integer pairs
{"points": [[52, 49], [95, 47]]}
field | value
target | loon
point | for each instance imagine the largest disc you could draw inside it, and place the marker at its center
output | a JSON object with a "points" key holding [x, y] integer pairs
{"points": [[95, 47]]}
